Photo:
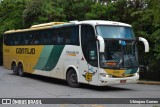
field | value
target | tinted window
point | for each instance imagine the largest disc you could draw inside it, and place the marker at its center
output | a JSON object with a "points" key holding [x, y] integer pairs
{"points": [[115, 32], [68, 35], [56, 36], [89, 46]]}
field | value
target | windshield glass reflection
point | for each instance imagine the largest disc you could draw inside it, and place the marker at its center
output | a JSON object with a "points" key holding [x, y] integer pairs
{"points": [[107, 31], [119, 54]]}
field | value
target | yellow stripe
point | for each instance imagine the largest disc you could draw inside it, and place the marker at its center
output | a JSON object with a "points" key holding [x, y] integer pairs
{"points": [[71, 54], [117, 73]]}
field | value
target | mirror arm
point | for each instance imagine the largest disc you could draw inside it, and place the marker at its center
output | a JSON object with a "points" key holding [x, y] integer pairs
{"points": [[145, 42], [101, 43]]}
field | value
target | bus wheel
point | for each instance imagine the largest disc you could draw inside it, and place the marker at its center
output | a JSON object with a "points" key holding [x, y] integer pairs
{"points": [[72, 78], [14, 68], [20, 70]]}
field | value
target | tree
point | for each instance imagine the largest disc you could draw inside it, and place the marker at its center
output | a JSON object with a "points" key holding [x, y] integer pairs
{"points": [[33, 10], [155, 36], [11, 15]]}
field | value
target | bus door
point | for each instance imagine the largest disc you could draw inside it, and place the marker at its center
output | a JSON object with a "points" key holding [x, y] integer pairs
{"points": [[89, 48]]}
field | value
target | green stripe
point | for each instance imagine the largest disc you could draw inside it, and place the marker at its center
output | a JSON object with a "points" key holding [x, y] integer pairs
{"points": [[134, 70], [128, 71], [49, 57], [131, 71], [44, 57], [54, 57]]}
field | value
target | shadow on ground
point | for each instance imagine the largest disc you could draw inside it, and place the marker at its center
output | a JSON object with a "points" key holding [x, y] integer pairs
{"points": [[82, 86]]}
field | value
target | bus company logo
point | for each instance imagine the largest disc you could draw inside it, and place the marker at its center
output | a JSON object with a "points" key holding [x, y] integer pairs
{"points": [[25, 50], [88, 75], [6, 101], [72, 53]]}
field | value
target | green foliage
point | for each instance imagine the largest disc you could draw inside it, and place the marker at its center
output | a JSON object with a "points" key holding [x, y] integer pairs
{"points": [[33, 11], [98, 11], [11, 15]]}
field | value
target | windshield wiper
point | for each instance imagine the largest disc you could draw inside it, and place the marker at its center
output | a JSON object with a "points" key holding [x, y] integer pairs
{"points": [[125, 54]]}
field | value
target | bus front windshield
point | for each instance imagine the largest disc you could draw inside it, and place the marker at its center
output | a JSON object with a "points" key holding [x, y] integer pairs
{"points": [[119, 54], [120, 47], [107, 31]]}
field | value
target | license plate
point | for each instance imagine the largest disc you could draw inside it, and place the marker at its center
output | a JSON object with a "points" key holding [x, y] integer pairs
{"points": [[122, 81]]}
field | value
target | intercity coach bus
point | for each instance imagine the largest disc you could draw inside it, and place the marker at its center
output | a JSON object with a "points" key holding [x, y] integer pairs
{"points": [[93, 52]]}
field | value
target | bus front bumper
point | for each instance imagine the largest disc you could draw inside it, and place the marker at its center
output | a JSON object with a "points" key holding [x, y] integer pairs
{"points": [[105, 81]]}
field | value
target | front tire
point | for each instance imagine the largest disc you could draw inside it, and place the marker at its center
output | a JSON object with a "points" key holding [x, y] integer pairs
{"points": [[20, 70], [72, 78]]}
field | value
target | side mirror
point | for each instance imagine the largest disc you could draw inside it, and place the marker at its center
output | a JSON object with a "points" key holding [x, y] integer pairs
{"points": [[101, 43], [145, 42]]}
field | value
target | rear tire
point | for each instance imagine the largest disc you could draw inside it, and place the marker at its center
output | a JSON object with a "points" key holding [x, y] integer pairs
{"points": [[20, 70], [14, 69], [72, 78]]}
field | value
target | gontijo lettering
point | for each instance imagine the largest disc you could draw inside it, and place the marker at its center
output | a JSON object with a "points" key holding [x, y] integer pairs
{"points": [[25, 50]]}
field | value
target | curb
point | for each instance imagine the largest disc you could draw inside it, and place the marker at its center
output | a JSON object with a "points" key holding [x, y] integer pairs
{"points": [[149, 82]]}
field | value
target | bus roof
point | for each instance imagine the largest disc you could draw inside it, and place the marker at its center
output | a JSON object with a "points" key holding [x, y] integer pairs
{"points": [[37, 27], [52, 24], [103, 22]]}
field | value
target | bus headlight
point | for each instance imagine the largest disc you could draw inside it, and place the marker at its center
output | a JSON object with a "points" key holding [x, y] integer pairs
{"points": [[110, 76], [106, 75], [103, 74]]}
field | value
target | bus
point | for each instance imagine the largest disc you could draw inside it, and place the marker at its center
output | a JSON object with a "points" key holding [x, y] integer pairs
{"points": [[93, 52]]}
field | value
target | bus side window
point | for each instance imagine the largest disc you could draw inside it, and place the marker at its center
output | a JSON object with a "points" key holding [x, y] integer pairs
{"points": [[54, 36], [37, 38], [71, 35], [29, 38], [32, 39], [21, 38], [43, 37], [26, 39], [67, 35], [60, 40], [8, 39], [5, 39], [16, 39], [75, 35], [49, 37], [61, 36]]}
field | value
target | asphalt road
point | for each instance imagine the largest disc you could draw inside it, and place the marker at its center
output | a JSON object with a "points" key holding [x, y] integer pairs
{"points": [[33, 86]]}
